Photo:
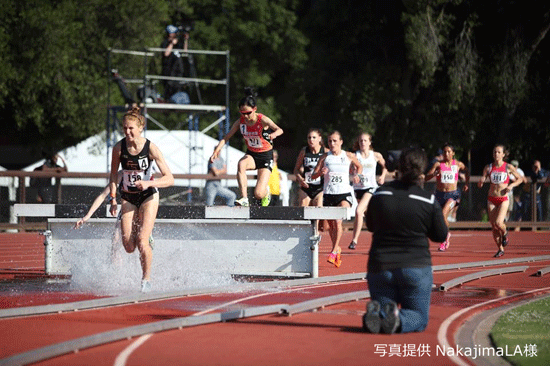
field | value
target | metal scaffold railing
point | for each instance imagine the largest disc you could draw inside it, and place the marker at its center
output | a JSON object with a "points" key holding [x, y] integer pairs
{"points": [[136, 75]]}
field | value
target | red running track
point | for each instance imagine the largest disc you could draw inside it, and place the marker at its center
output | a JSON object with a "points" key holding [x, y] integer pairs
{"points": [[323, 337]]}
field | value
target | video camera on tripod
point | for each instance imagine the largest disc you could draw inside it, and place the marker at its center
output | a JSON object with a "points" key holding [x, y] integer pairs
{"points": [[185, 27]]}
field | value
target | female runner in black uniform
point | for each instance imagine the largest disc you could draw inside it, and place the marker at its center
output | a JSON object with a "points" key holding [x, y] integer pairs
{"points": [[138, 190], [311, 191]]}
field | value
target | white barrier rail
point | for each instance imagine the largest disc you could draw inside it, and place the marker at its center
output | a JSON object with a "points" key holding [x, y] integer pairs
{"points": [[250, 241]]}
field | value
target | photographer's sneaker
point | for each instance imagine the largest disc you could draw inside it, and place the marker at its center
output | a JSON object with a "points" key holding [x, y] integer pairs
{"points": [[242, 202], [371, 319], [391, 322]]}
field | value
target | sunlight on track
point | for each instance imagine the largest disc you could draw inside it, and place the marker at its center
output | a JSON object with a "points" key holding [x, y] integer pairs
{"points": [[122, 358]]}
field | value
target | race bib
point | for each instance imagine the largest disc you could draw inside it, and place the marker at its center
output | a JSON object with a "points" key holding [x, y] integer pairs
{"points": [[253, 142], [130, 177], [447, 177], [498, 177], [335, 181], [363, 181], [309, 180]]}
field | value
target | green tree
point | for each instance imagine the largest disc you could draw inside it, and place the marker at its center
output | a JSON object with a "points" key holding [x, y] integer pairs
{"points": [[54, 56]]}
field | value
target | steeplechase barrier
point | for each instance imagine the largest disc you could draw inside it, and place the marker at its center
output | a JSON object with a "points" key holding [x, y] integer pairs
{"points": [[252, 241]]}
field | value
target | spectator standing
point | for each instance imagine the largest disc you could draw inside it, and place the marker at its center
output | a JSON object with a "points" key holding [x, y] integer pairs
{"points": [[535, 174], [274, 182], [45, 189], [514, 197]]}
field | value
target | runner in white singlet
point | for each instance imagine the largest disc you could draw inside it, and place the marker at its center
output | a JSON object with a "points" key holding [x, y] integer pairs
{"points": [[337, 192]]}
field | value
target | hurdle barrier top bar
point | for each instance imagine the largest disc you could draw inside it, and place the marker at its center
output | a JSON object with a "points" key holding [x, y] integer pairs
{"points": [[191, 212]]}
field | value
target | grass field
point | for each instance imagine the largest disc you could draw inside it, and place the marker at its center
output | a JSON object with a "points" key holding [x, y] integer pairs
{"points": [[524, 332]]}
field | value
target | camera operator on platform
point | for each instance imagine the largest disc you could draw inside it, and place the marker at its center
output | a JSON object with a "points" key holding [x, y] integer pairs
{"points": [[173, 66]]}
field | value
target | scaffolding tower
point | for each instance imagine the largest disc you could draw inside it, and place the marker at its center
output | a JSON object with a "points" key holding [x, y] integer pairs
{"points": [[153, 106]]}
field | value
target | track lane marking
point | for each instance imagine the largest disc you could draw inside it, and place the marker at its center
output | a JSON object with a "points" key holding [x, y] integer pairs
{"points": [[444, 327], [122, 357]]}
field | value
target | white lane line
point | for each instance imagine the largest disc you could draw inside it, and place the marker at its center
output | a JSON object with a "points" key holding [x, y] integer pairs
{"points": [[443, 329], [122, 358]]}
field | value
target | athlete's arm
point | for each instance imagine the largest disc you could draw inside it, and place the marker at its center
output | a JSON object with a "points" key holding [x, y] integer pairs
{"points": [[484, 176], [380, 160], [320, 167], [95, 205], [223, 141], [463, 168], [166, 180], [113, 179], [512, 170], [299, 162], [432, 172], [355, 162], [277, 131], [358, 167]]}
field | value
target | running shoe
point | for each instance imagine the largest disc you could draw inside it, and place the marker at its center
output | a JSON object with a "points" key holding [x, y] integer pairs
{"points": [[335, 258], [500, 253], [442, 247], [352, 245], [242, 202], [505, 239], [391, 322], [371, 319], [145, 286], [267, 198], [338, 262]]}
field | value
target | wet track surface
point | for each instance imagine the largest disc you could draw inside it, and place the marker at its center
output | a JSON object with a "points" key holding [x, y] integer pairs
{"points": [[327, 335]]}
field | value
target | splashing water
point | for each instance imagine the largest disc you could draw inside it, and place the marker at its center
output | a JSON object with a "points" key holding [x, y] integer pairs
{"points": [[102, 266]]}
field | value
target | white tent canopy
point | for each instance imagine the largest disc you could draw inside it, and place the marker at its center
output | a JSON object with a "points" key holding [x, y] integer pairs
{"points": [[185, 152], [91, 155]]}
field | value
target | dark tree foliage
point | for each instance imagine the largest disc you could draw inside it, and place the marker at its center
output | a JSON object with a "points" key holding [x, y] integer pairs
{"points": [[472, 73]]}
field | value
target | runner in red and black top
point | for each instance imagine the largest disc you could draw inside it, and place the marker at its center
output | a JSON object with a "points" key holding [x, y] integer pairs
{"points": [[258, 131], [497, 200]]}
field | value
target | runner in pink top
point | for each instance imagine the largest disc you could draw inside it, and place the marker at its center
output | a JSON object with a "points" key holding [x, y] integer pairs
{"points": [[447, 192]]}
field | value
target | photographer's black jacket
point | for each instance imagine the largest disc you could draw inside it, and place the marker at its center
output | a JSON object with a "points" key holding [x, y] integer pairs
{"points": [[402, 218], [172, 65]]}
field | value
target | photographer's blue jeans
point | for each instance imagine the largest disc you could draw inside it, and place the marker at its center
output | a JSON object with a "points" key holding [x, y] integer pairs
{"points": [[180, 98], [409, 287]]}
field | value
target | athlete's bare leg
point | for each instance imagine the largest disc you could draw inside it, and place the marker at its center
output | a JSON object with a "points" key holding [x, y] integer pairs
{"points": [[359, 216], [245, 163]]}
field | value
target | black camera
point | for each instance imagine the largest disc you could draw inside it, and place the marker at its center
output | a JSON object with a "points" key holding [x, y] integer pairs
{"points": [[186, 27]]}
